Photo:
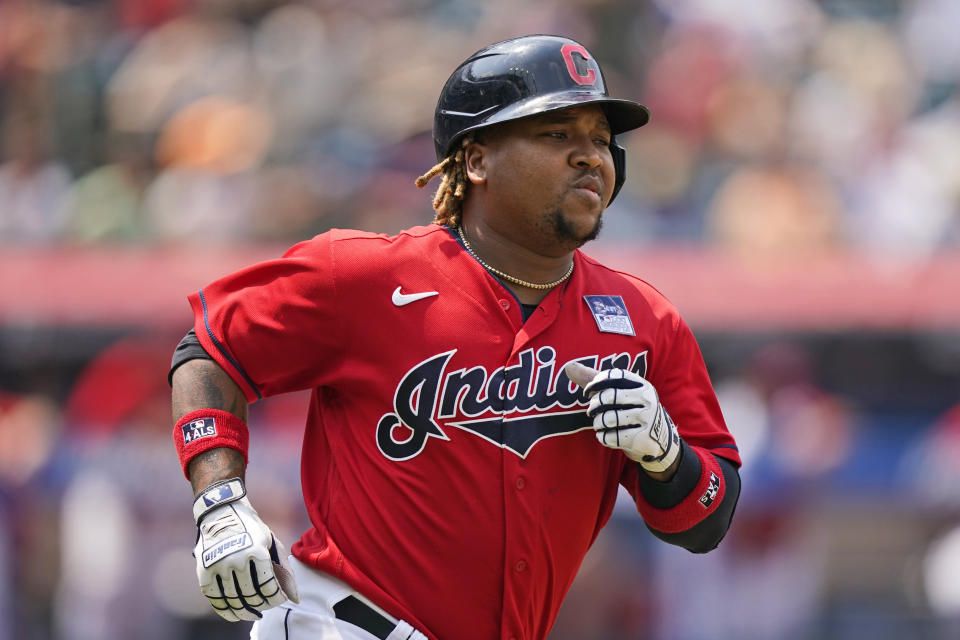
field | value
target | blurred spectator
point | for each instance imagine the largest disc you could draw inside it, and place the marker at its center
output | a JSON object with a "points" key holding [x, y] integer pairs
{"points": [[810, 430], [120, 386], [29, 426], [773, 567], [822, 124], [206, 190], [32, 184], [906, 201], [929, 35], [29, 440], [106, 204], [287, 204], [937, 453], [932, 470], [694, 63], [7, 582], [768, 211]]}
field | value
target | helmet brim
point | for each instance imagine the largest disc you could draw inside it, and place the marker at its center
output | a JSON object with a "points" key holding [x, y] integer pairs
{"points": [[623, 115]]}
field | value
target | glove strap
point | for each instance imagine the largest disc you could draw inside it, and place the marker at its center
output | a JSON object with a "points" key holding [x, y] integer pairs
{"points": [[216, 495]]}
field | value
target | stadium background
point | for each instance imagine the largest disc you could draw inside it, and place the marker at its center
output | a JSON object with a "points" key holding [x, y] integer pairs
{"points": [[797, 194]]}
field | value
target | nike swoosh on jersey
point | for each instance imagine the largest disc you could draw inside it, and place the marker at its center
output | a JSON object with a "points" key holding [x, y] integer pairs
{"points": [[401, 299]]}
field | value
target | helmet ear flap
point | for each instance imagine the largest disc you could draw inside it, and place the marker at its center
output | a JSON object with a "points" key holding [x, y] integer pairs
{"points": [[619, 166]]}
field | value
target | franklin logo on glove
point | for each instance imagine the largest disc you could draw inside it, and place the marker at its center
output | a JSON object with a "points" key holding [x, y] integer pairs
{"points": [[228, 546]]}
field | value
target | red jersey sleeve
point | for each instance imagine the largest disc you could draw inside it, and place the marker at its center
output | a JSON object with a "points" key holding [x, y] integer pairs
{"points": [[274, 326], [683, 384]]}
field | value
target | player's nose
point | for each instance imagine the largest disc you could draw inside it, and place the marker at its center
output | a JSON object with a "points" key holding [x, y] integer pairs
{"points": [[586, 154]]}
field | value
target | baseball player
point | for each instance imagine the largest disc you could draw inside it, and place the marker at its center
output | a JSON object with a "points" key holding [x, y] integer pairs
{"points": [[480, 387]]}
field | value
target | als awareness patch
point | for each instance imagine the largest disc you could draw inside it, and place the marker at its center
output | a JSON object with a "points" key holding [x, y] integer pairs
{"points": [[203, 428], [711, 493], [611, 314]]}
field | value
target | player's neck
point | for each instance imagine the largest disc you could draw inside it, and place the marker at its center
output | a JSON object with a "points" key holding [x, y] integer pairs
{"points": [[517, 259]]}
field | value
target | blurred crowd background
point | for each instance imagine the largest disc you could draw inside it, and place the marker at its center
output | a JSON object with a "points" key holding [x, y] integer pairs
{"points": [[147, 146]]}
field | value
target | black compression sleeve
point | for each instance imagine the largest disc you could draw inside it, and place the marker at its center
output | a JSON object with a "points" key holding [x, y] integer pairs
{"points": [[189, 348], [707, 534]]}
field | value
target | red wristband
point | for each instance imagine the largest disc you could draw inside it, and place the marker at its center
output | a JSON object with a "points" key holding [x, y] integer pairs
{"points": [[206, 429]]}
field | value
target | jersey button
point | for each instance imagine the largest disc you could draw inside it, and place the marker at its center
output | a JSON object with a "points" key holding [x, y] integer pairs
{"points": [[521, 566], [505, 304], [521, 483]]}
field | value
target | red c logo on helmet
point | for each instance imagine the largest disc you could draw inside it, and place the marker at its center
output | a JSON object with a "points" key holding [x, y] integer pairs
{"points": [[567, 52]]}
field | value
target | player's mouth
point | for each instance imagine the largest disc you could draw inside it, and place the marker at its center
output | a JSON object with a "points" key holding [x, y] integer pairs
{"points": [[588, 186]]}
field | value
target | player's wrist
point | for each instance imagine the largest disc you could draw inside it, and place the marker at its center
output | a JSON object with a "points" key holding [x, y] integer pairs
{"points": [[667, 474], [668, 489]]}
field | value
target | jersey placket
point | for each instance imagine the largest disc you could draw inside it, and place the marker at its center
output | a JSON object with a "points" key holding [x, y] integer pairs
{"points": [[522, 508]]}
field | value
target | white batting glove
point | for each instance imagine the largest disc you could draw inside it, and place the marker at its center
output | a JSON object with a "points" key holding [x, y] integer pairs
{"points": [[241, 565], [627, 415]]}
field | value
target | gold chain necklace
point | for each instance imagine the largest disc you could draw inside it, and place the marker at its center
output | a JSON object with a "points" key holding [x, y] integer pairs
{"points": [[507, 276]]}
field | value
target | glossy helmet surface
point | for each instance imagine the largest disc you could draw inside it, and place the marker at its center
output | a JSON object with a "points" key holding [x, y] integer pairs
{"points": [[523, 77]]}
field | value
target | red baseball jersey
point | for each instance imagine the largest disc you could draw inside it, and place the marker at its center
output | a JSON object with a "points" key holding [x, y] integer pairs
{"points": [[449, 469]]}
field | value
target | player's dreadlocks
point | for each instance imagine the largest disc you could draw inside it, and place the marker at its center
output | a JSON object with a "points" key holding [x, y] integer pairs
{"points": [[448, 201]]}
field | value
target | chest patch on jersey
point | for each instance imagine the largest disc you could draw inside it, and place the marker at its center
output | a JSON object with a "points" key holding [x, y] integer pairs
{"points": [[611, 314]]}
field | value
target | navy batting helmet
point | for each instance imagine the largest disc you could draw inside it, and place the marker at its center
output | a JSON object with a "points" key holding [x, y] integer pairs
{"points": [[523, 77]]}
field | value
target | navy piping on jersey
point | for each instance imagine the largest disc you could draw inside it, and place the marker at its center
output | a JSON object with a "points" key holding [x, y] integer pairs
{"points": [[223, 352], [727, 446], [286, 629]]}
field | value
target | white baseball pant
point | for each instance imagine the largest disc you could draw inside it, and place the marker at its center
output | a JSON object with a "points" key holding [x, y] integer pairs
{"points": [[329, 609]]}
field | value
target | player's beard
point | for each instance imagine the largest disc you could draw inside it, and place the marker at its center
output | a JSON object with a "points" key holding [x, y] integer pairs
{"points": [[567, 234]]}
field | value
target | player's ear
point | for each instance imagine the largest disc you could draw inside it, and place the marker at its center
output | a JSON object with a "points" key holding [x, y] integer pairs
{"points": [[474, 159]]}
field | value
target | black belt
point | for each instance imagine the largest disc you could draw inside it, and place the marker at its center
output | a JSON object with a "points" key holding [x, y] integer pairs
{"points": [[355, 611]]}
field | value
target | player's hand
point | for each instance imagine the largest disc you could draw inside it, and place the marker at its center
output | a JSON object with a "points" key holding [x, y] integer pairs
{"points": [[627, 415], [241, 565]]}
